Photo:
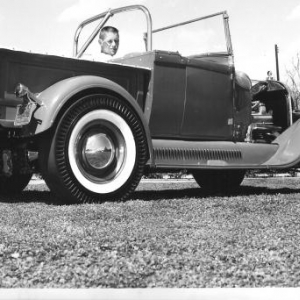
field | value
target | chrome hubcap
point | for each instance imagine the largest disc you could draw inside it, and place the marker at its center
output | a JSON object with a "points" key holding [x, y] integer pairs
{"points": [[101, 150], [98, 151]]}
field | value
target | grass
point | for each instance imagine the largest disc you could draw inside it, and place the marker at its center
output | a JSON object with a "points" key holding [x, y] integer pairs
{"points": [[167, 235]]}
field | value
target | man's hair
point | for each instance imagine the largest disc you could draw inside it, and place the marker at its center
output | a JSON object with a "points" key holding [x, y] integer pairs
{"points": [[107, 29]]}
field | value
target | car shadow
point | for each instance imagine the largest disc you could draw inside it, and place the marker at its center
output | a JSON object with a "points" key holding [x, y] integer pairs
{"points": [[33, 196], [245, 190], [30, 196]]}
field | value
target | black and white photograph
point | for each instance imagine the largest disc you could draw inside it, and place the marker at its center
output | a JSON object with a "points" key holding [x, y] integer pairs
{"points": [[149, 149]]}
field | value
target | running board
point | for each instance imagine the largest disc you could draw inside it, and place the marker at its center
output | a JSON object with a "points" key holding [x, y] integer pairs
{"points": [[191, 155], [284, 152]]}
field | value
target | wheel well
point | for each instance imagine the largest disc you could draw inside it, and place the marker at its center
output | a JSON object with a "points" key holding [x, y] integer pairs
{"points": [[87, 92]]}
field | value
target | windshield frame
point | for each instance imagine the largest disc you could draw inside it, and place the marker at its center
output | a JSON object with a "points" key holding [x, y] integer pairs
{"points": [[225, 24], [148, 36]]}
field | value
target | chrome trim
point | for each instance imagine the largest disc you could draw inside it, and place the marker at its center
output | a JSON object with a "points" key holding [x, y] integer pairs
{"points": [[23, 92], [227, 34], [91, 37], [188, 22], [98, 150], [197, 154]]}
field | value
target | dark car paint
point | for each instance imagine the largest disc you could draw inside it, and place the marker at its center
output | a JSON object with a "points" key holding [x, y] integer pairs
{"points": [[180, 89], [189, 98], [39, 72]]}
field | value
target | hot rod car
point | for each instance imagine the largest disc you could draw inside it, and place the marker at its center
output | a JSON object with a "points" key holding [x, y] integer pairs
{"points": [[92, 129]]}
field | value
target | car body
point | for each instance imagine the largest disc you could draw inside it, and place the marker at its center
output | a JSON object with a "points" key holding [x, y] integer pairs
{"points": [[97, 127]]}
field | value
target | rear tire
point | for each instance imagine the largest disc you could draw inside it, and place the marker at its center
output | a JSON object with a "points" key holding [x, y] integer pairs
{"points": [[14, 184], [97, 152], [18, 171], [215, 181]]}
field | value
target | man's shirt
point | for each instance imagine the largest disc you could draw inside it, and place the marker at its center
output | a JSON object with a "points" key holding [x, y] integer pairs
{"points": [[103, 57]]}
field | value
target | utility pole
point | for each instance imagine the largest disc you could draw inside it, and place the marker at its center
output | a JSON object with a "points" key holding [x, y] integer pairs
{"points": [[277, 65]]}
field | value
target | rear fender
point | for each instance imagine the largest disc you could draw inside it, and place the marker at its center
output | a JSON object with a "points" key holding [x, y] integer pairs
{"points": [[56, 97]]}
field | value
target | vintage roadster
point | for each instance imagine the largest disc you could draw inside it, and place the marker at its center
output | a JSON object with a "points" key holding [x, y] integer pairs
{"points": [[92, 129]]}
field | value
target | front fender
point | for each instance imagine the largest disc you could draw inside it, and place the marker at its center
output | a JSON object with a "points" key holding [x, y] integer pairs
{"points": [[288, 154], [57, 95]]}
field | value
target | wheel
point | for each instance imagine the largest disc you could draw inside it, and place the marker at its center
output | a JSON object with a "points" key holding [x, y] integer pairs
{"points": [[18, 171], [97, 153], [14, 184], [219, 180]]}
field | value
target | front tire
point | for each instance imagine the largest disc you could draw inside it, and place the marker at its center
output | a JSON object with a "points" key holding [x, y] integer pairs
{"points": [[97, 153], [215, 181]]}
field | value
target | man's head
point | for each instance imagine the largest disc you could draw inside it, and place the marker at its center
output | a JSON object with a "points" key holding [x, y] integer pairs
{"points": [[109, 40]]}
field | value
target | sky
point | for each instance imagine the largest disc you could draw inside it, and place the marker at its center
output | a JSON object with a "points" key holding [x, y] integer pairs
{"points": [[255, 25]]}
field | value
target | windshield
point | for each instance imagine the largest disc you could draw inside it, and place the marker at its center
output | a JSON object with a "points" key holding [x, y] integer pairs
{"points": [[199, 37]]}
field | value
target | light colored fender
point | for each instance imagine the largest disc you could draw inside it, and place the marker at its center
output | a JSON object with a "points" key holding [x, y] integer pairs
{"points": [[57, 95], [288, 153]]}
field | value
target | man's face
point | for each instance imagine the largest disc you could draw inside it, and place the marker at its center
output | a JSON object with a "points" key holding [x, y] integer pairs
{"points": [[110, 43]]}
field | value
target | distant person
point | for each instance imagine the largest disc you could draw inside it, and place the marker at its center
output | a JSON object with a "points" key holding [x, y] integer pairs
{"points": [[269, 76], [109, 42]]}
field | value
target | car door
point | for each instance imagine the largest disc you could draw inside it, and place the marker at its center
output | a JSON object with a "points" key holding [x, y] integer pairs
{"points": [[208, 109]]}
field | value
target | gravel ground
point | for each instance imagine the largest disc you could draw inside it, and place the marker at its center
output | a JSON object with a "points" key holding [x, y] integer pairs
{"points": [[169, 234]]}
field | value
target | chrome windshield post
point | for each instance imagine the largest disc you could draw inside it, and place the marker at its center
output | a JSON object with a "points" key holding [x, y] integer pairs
{"points": [[105, 17], [227, 33], [92, 36]]}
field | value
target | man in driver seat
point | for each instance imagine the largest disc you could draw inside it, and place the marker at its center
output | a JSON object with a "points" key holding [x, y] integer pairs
{"points": [[109, 42]]}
